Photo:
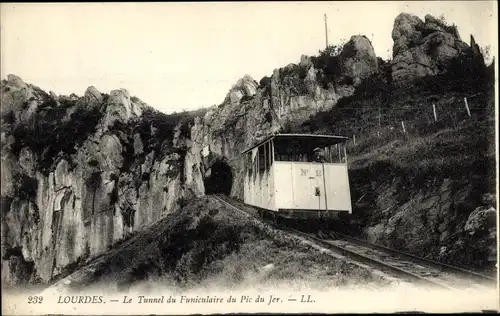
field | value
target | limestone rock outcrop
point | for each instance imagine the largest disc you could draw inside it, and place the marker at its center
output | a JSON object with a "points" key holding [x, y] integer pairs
{"points": [[75, 179], [358, 58], [423, 48]]}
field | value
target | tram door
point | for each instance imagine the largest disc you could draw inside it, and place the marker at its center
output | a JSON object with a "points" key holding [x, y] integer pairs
{"points": [[320, 191], [309, 186]]}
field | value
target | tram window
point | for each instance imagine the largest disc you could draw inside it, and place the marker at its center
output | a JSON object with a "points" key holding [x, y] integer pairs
{"points": [[343, 158], [290, 151], [334, 153], [266, 160], [255, 166], [249, 163], [262, 156], [337, 153], [304, 151], [269, 156]]}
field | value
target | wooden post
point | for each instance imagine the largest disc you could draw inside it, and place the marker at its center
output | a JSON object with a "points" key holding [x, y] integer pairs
{"points": [[435, 114], [403, 124], [326, 30], [467, 106]]}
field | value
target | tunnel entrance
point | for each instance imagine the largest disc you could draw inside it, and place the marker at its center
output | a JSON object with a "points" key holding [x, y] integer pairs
{"points": [[220, 179]]}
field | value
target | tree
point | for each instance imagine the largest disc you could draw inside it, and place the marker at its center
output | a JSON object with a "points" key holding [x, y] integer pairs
{"points": [[333, 50]]}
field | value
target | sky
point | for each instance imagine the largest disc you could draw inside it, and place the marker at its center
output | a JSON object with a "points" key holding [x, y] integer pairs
{"points": [[182, 56]]}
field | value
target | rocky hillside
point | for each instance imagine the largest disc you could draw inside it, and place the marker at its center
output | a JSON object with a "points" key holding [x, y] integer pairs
{"points": [[428, 188], [75, 172], [80, 174]]}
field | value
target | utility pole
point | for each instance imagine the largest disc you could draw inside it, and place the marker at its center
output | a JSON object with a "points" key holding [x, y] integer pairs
{"points": [[326, 30]]}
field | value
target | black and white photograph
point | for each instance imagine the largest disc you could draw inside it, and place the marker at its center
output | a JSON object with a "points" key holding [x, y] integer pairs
{"points": [[182, 158]]}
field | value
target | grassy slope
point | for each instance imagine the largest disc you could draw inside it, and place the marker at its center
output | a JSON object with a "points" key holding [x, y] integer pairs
{"points": [[205, 243]]}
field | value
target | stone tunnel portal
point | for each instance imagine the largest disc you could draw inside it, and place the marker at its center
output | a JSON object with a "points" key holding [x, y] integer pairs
{"points": [[220, 179]]}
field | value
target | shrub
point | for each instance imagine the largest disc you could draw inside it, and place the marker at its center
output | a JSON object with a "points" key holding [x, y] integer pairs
{"points": [[47, 134], [9, 117], [49, 102], [165, 124], [26, 187], [268, 117], [328, 64], [182, 202], [246, 98], [264, 82]]}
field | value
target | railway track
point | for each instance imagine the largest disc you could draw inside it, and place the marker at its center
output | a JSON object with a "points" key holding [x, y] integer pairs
{"points": [[402, 265]]}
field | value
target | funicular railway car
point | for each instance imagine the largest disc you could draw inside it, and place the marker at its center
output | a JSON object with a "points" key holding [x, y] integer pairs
{"points": [[298, 176]]}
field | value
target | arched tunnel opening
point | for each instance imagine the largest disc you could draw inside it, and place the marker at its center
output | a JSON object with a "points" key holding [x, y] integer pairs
{"points": [[220, 179]]}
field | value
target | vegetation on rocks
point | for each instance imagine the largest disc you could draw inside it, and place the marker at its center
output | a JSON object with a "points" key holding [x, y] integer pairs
{"points": [[407, 168], [329, 64], [47, 132]]}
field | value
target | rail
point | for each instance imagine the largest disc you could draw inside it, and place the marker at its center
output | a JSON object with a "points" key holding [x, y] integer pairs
{"points": [[405, 266], [438, 265]]}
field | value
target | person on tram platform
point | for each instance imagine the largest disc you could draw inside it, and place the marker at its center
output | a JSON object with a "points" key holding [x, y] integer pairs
{"points": [[319, 155]]}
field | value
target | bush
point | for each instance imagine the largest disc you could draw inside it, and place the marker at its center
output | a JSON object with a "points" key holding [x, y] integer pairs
{"points": [[48, 135], [328, 64], [264, 82], [182, 202], [165, 125], [49, 102], [9, 117], [26, 187]]}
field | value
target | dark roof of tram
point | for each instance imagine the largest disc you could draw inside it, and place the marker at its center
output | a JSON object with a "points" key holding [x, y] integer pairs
{"points": [[327, 138]]}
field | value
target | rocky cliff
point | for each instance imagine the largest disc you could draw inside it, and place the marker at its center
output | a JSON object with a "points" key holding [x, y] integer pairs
{"points": [[75, 172], [82, 173], [423, 48]]}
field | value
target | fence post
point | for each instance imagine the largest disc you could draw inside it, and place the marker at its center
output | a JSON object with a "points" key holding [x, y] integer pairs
{"points": [[467, 106], [434, 110]]}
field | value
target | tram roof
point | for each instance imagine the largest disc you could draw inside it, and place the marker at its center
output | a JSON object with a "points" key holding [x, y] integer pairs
{"points": [[325, 139]]}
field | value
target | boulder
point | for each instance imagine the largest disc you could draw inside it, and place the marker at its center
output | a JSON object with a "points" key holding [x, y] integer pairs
{"points": [[489, 199], [138, 146], [93, 96], [15, 81], [405, 33], [18, 97], [305, 61], [27, 161], [118, 107], [477, 56], [54, 96], [424, 48], [358, 59], [480, 220], [244, 87], [110, 152]]}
